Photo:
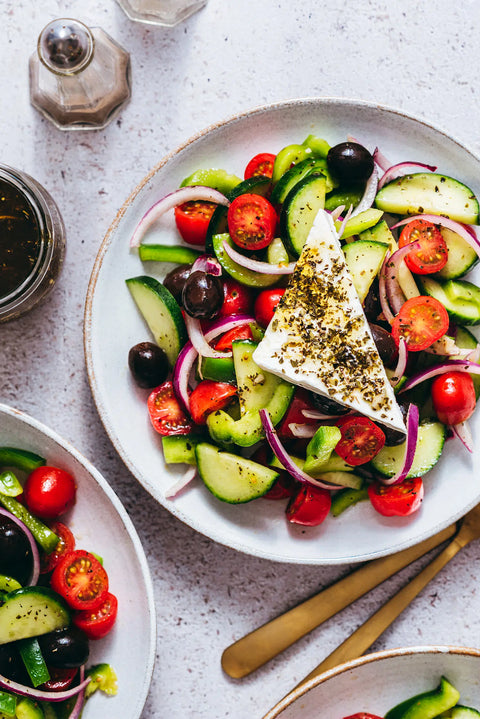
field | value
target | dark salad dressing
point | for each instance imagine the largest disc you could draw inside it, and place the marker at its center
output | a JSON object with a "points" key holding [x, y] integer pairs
{"points": [[20, 239]]}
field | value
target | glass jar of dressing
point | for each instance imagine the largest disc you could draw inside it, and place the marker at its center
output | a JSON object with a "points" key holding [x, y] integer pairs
{"points": [[32, 242]]}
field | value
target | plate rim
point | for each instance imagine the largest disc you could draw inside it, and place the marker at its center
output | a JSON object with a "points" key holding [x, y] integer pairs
{"points": [[107, 241], [98, 477]]}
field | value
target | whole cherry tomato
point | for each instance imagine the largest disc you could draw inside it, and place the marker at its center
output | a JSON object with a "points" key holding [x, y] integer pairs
{"points": [[265, 305], [49, 492], [309, 506], [237, 298], [453, 397], [397, 500]]}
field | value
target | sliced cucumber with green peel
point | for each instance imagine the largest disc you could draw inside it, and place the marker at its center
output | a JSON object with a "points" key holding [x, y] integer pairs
{"points": [[178, 449], [30, 612], [460, 298], [255, 387], [364, 260], [429, 193], [342, 479], [299, 211], [346, 498], [239, 273], [231, 478], [348, 198], [461, 256], [464, 339], [161, 313], [168, 253], [361, 222], [334, 464], [428, 705], [292, 177], [460, 712], [431, 438], [276, 252], [320, 448]]}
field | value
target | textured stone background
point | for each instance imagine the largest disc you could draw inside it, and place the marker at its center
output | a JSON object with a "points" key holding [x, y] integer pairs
{"points": [[416, 56]]}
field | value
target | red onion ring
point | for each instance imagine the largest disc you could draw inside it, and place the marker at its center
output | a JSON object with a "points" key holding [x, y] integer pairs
{"points": [[314, 414], [32, 543], [401, 169], [78, 706], [197, 338], [401, 363], [188, 355], [390, 268], [39, 694], [446, 346], [337, 213], [185, 479], [463, 433], [343, 222], [449, 366], [208, 264], [382, 291], [381, 160], [469, 235], [285, 459], [302, 431], [266, 268], [178, 197], [369, 194], [410, 446]]}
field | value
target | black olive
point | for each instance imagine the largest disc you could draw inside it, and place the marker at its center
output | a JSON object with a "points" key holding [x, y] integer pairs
{"points": [[15, 552], [202, 295], [350, 162], [393, 436], [148, 364], [371, 303], [175, 281], [387, 349], [327, 405], [65, 648], [11, 664]]}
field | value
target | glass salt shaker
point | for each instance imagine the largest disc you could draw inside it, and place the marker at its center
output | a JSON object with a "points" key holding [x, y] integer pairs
{"points": [[79, 76], [160, 12]]}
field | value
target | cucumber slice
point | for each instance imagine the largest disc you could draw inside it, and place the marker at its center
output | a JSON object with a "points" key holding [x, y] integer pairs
{"points": [[431, 438], [343, 479], [459, 712], [428, 705], [359, 223], [320, 448], [348, 197], [168, 253], [460, 298], [334, 464], [461, 256], [241, 274], [161, 313], [255, 387], [465, 340], [364, 260], [276, 252], [429, 193], [300, 209], [346, 498], [179, 449], [30, 612], [231, 478], [292, 177]]}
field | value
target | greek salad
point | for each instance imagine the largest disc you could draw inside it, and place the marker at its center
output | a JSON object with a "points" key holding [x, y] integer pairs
{"points": [[54, 596], [311, 340], [441, 702]]}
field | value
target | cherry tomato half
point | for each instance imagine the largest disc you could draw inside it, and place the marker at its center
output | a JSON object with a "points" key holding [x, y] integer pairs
{"points": [[397, 500], [361, 439], [421, 321], [166, 415], [97, 623], [283, 488], [192, 220], [81, 580], [363, 715], [251, 221], [309, 506], [242, 332], [237, 299], [432, 255], [453, 397], [49, 492], [265, 305], [60, 679], [209, 396], [261, 164], [66, 543]]}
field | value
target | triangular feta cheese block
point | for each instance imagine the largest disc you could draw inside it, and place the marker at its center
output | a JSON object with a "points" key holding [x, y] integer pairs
{"points": [[319, 337]]}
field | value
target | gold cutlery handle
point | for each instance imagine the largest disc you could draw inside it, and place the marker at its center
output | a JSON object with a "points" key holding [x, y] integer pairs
{"points": [[259, 646], [363, 638]]}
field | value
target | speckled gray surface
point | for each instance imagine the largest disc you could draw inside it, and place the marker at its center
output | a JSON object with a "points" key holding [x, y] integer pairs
{"points": [[419, 57]]}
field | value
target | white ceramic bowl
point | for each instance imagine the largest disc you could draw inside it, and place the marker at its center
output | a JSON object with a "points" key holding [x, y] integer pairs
{"points": [[377, 682], [113, 325], [101, 524]]}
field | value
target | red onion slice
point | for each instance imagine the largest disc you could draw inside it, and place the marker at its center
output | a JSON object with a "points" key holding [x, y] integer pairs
{"points": [[410, 446], [188, 355], [302, 431], [369, 194], [344, 221], [401, 169], [314, 414], [381, 160], [382, 291], [78, 706], [401, 363], [390, 269], [208, 264], [337, 212], [32, 543], [39, 694], [198, 340], [464, 434], [266, 268], [285, 459], [184, 480], [446, 346], [178, 197], [469, 235], [449, 366]]}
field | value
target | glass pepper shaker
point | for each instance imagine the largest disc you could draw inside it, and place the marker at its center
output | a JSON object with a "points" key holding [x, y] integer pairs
{"points": [[160, 12], [79, 76]]}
